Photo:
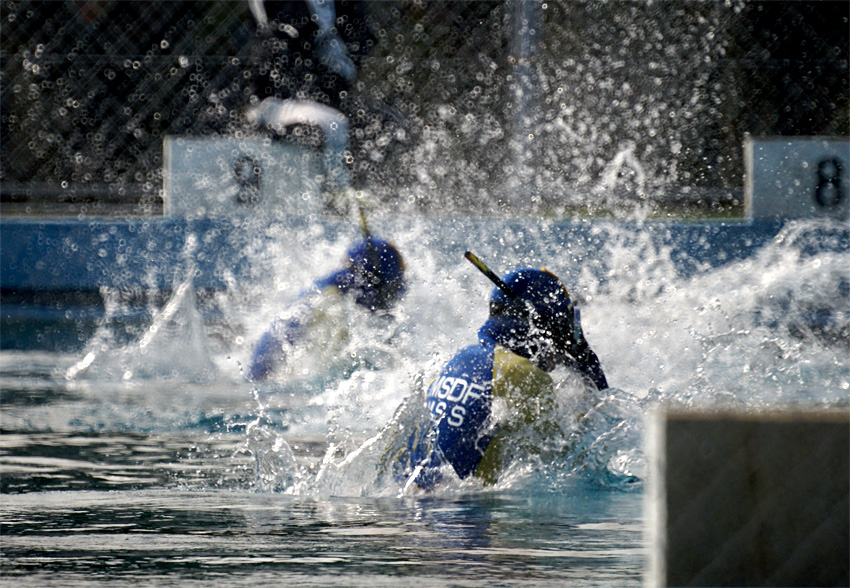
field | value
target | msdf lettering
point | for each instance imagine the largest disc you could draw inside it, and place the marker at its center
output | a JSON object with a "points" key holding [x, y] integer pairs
{"points": [[454, 391]]}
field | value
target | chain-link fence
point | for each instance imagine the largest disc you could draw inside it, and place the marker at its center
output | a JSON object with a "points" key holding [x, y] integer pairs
{"points": [[532, 106]]}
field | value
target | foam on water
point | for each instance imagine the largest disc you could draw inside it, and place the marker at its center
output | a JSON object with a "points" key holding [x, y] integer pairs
{"points": [[770, 330]]}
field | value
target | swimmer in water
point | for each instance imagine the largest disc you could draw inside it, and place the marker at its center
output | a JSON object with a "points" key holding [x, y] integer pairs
{"points": [[373, 277], [532, 328]]}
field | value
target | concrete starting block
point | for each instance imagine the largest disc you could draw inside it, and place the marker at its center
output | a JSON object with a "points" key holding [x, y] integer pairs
{"points": [[749, 499]]}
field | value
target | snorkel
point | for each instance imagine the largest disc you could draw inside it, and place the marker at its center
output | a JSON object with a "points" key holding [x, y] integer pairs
{"points": [[492, 276], [373, 278]]}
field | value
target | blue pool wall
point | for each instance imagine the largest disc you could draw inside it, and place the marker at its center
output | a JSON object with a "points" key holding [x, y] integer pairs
{"points": [[53, 272]]}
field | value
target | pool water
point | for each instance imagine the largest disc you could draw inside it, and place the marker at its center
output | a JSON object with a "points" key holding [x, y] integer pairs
{"points": [[153, 461], [182, 504]]}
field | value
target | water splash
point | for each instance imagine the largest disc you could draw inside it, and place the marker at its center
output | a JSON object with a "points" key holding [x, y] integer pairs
{"points": [[622, 181], [173, 347], [765, 331], [598, 439]]}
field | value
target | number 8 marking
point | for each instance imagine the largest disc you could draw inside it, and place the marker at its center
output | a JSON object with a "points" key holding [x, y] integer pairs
{"points": [[830, 190]]}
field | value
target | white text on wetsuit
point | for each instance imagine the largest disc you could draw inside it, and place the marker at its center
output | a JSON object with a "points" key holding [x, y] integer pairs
{"points": [[458, 391]]}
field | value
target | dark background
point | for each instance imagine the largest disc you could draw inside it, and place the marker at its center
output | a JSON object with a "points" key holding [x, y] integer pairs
{"points": [[457, 105]]}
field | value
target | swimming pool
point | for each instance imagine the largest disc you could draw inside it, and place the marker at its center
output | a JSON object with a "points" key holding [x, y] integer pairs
{"points": [[145, 457]]}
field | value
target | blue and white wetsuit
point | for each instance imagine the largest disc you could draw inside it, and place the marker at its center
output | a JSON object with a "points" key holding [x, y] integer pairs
{"points": [[373, 279]]}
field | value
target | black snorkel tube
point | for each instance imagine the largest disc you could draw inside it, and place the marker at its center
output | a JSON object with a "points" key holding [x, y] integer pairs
{"points": [[372, 274], [371, 253]]}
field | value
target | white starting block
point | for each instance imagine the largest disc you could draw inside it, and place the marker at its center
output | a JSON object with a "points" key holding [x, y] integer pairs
{"points": [[797, 177], [238, 177], [259, 176]]}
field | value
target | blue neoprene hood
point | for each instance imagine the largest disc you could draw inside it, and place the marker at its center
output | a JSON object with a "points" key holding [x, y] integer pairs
{"points": [[510, 324], [539, 287], [374, 275]]}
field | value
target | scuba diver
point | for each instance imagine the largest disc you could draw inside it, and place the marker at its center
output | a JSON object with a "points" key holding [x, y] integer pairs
{"points": [[373, 278], [533, 327]]}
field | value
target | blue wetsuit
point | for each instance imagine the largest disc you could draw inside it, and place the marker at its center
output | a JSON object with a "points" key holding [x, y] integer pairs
{"points": [[291, 328], [463, 431]]}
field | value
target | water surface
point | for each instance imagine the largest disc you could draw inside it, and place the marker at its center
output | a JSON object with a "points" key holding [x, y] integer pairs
{"points": [[149, 459]]}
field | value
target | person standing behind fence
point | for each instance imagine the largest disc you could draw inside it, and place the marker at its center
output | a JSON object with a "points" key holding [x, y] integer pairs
{"points": [[308, 50]]}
